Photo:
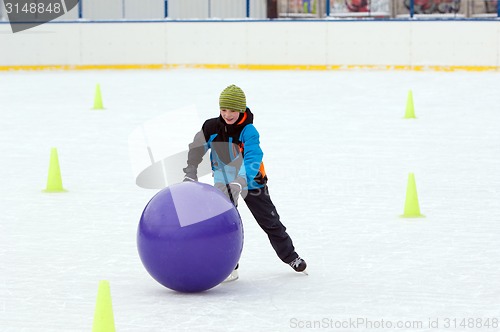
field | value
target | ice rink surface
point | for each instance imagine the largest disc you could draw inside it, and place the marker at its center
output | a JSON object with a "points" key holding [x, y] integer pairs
{"points": [[337, 152]]}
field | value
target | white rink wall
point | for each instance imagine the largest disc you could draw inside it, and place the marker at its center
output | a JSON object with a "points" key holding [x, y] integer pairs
{"points": [[438, 45]]}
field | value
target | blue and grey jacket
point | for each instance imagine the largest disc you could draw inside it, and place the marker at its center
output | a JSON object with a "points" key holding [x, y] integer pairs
{"points": [[235, 152]]}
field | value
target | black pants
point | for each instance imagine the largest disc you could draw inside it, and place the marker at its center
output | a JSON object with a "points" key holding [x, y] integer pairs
{"points": [[262, 208]]}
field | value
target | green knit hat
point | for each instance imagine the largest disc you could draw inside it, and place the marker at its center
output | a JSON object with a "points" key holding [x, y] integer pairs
{"points": [[233, 98]]}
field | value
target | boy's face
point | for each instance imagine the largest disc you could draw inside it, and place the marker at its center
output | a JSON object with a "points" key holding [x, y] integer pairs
{"points": [[229, 116]]}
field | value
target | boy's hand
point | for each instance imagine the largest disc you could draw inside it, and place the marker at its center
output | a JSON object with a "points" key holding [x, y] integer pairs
{"points": [[190, 174], [231, 190], [235, 191]]}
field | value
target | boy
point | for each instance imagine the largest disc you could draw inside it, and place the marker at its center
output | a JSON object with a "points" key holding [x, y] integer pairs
{"points": [[236, 159]]}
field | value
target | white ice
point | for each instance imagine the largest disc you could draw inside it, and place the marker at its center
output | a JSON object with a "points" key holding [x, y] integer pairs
{"points": [[338, 153]]}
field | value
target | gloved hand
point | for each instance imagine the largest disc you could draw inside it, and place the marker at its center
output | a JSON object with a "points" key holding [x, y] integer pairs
{"points": [[190, 173], [232, 190]]}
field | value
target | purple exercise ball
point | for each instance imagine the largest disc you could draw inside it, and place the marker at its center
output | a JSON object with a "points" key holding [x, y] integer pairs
{"points": [[190, 237]]}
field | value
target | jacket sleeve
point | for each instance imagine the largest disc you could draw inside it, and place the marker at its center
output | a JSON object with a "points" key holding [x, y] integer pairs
{"points": [[197, 149], [252, 155]]}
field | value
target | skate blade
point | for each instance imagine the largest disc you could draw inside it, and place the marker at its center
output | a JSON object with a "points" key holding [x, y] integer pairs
{"points": [[305, 272], [232, 277]]}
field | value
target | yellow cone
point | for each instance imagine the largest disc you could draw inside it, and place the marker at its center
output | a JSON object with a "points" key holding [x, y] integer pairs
{"points": [[412, 208], [410, 108], [98, 98], [54, 180], [103, 317]]}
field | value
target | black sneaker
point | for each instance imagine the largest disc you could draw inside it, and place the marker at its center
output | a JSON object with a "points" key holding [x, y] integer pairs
{"points": [[298, 264]]}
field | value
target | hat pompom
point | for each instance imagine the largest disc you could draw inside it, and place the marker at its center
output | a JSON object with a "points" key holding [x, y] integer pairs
{"points": [[233, 98]]}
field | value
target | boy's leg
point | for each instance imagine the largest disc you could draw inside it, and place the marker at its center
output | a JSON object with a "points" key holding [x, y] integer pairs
{"points": [[262, 208]]}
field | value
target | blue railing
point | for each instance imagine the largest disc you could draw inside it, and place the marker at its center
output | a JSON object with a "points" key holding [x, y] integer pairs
{"points": [[80, 13]]}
